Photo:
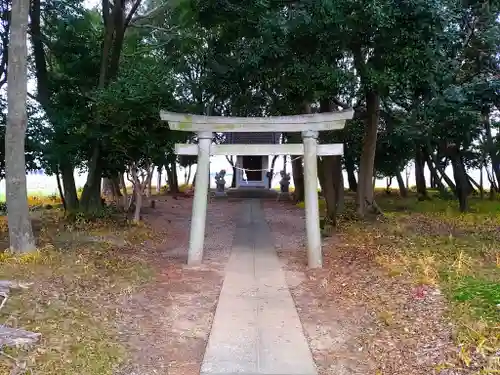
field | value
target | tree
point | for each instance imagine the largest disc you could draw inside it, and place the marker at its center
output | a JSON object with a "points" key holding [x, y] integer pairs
{"points": [[138, 139], [20, 230], [66, 55]]}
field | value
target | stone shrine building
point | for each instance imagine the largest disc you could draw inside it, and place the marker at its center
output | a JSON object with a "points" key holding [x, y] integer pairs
{"points": [[252, 170]]}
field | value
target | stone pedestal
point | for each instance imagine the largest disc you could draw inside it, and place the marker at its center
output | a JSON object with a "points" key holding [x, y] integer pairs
{"points": [[220, 183], [284, 196]]}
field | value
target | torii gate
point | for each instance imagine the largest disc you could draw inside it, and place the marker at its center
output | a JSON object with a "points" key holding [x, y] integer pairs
{"points": [[309, 125]]}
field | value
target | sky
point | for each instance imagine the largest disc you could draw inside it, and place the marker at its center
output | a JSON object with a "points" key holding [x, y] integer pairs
{"points": [[91, 3]]}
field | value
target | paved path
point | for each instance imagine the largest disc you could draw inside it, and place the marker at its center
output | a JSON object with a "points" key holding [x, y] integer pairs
{"points": [[256, 329]]}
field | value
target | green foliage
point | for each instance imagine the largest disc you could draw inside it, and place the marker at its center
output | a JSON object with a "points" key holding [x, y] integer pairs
{"points": [[484, 294], [131, 131], [73, 57]]}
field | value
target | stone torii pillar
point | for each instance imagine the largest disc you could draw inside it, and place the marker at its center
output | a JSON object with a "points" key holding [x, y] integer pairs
{"points": [[314, 258], [198, 218]]}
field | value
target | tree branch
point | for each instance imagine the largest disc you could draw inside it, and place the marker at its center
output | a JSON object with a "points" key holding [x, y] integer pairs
{"points": [[153, 27], [340, 104], [230, 160], [148, 15], [134, 8]]}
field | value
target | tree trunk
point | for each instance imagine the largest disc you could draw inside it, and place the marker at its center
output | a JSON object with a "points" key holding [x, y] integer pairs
{"points": [[331, 175], [190, 169], [125, 192], [481, 183], [338, 183], [297, 166], [298, 179], [492, 149], [388, 183], [139, 182], [115, 183], [321, 175], [59, 188], [149, 188], [407, 175], [419, 174], [271, 172], [158, 180], [491, 177], [328, 188], [364, 196], [437, 180], [430, 155], [138, 205], [332, 185], [231, 161], [107, 188], [137, 193], [460, 176], [446, 178], [351, 177], [433, 182], [20, 231], [233, 177], [473, 185], [403, 191], [491, 180], [90, 200], [110, 188], [168, 171], [68, 181], [194, 179], [174, 185]]}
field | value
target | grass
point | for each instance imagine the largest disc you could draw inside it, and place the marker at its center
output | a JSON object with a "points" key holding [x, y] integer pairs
{"points": [[432, 243], [73, 303]]}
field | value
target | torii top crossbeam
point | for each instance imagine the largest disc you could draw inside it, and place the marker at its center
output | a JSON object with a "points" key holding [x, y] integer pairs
{"points": [[297, 123]]}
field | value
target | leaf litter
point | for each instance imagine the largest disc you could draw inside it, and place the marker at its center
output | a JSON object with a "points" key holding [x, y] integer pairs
{"points": [[379, 305]]}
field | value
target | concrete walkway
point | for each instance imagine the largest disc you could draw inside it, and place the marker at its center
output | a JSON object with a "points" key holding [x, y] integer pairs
{"points": [[256, 329]]}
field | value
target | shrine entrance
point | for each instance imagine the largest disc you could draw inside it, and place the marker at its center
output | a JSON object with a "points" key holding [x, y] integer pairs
{"points": [[251, 171], [253, 167], [309, 125]]}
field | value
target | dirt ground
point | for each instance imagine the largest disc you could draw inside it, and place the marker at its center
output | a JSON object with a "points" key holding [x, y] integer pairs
{"points": [[358, 320], [166, 325]]}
